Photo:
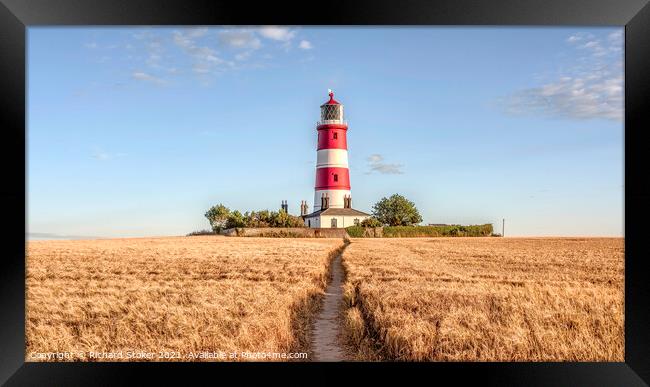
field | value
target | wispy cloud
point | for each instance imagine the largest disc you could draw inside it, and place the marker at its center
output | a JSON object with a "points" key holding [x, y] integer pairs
{"points": [[593, 88], [101, 155], [142, 76], [305, 45], [205, 58], [376, 164], [242, 39], [160, 56], [282, 34]]}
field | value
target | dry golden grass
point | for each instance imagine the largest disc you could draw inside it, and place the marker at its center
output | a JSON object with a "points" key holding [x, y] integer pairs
{"points": [[185, 294], [486, 299]]}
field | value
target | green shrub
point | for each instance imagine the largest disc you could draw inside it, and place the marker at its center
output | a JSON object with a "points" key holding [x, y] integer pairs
{"points": [[355, 231], [235, 219], [220, 217], [202, 232], [437, 231], [371, 222]]}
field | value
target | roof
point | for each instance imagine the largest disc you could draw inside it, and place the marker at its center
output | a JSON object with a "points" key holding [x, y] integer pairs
{"points": [[337, 211], [332, 101]]}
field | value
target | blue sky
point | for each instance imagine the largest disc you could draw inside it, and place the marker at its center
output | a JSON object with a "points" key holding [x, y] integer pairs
{"points": [[137, 131]]}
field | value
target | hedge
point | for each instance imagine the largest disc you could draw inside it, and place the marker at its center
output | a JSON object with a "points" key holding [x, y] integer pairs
{"points": [[427, 231], [355, 231]]}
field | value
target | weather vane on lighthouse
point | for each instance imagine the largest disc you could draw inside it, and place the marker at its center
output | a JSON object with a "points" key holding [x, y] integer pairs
{"points": [[332, 197]]}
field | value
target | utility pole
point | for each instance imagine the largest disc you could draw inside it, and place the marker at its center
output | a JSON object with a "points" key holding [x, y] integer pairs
{"points": [[503, 228]]}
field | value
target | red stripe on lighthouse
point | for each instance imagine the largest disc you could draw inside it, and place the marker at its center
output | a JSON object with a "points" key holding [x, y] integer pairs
{"points": [[332, 139], [332, 126], [332, 178]]}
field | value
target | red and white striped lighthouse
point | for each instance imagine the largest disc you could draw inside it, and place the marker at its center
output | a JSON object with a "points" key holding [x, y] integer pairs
{"points": [[332, 188]]}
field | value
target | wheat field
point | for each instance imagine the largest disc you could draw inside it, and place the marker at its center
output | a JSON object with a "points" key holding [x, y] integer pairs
{"points": [[174, 295], [485, 299], [422, 299]]}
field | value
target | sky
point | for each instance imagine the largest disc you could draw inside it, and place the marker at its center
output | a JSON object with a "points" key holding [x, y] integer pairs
{"points": [[138, 131]]}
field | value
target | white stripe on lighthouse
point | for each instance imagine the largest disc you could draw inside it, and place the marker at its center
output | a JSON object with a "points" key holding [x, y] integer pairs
{"points": [[336, 197], [332, 158]]}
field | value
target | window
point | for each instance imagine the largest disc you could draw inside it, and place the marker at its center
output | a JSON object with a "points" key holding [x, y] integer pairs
{"points": [[309, 223], [356, 221], [336, 135], [336, 177], [333, 222]]}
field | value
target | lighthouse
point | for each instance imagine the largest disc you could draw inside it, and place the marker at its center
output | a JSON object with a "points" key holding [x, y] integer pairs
{"points": [[332, 193]]}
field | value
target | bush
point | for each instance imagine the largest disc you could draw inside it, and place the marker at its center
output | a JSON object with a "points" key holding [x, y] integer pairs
{"points": [[220, 217], [355, 231], [436, 231], [201, 232], [235, 219], [371, 222], [283, 219]]}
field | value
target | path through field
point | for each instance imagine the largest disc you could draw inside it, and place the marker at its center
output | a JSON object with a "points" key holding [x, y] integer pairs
{"points": [[326, 345]]}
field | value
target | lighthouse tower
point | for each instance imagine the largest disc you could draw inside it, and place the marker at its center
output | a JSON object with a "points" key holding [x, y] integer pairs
{"points": [[332, 198], [332, 172]]}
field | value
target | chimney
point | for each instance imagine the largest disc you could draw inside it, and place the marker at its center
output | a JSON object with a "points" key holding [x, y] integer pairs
{"points": [[347, 201]]}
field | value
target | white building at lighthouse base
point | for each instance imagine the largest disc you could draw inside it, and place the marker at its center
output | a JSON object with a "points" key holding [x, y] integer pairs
{"points": [[335, 218]]}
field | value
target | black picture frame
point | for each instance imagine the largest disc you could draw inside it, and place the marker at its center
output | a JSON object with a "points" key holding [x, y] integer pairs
{"points": [[17, 15]]}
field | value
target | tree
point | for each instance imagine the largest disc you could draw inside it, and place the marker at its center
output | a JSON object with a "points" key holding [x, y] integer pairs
{"points": [[235, 219], [396, 211], [217, 216], [283, 219], [370, 222], [220, 217]]}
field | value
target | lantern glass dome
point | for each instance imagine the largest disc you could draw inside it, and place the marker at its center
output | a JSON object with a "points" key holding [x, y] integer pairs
{"points": [[331, 112]]}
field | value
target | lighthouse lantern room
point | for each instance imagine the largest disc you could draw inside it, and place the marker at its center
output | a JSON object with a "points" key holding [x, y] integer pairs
{"points": [[332, 195]]}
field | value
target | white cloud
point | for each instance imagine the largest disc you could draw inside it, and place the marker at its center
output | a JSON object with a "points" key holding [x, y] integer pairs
{"points": [[101, 155], [91, 45], [591, 89], [142, 76], [205, 58], [305, 45], [244, 39], [282, 34], [196, 32], [375, 158], [616, 36], [376, 164], [574, 38], [243, 55], [182, 40], [205, 52]]}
